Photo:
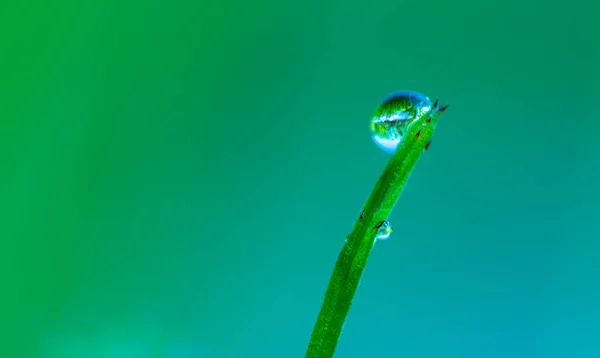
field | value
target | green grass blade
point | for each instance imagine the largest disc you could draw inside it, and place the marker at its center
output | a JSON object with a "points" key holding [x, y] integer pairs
{"points": [[353, 258]]}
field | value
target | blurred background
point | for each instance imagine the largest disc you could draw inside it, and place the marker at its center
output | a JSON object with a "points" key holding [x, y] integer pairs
{"points": [[177, 178]]}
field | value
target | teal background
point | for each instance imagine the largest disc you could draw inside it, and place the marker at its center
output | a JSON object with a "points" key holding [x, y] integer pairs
{"points": [[177, 178]]}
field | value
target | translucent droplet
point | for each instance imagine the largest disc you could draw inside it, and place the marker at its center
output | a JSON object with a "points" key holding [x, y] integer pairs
{"points": [[394, 116], [385, 230]]}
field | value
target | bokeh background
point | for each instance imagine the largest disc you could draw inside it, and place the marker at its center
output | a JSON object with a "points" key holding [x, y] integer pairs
{"points": [[177, 178]]}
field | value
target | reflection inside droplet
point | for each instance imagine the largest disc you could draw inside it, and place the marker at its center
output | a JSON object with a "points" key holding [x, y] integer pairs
{"points": [[394, 116]]}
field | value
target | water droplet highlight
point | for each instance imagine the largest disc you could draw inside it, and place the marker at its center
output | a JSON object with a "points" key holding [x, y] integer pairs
{"points": [[394, 116], [384, 231]]}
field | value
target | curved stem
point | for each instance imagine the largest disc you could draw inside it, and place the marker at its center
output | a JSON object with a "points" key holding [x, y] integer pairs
{"points": [[352, 259]]}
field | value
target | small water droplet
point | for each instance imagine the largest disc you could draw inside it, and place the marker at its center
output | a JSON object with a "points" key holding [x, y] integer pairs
{"points": [[394, 116], [385, 230]]}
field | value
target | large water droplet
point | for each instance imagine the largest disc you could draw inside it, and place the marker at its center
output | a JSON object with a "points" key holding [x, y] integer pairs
{"points": [[385, 230], [394, 116]]}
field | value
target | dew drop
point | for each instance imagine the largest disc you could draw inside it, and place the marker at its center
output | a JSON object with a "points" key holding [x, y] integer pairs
{"points": [[385, 230], [394, 116]]}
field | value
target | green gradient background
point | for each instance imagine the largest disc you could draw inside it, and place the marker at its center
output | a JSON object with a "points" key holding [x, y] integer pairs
{"points": [[177, 178]]}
